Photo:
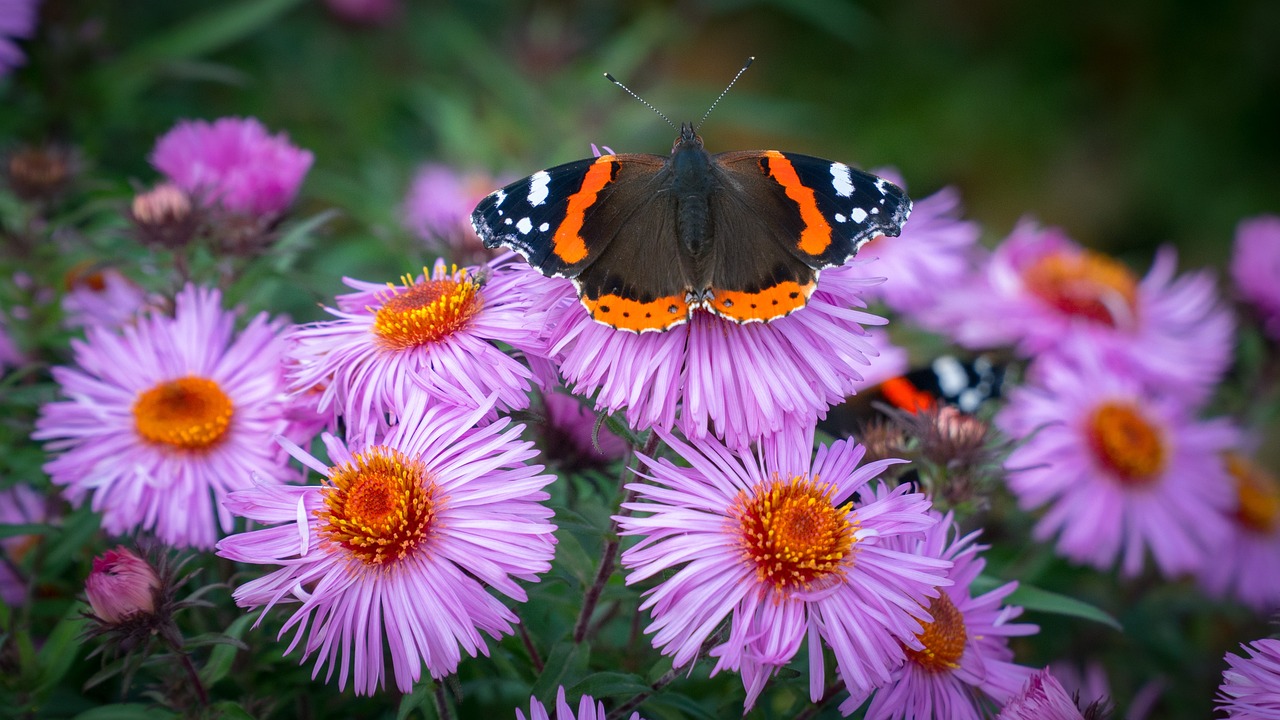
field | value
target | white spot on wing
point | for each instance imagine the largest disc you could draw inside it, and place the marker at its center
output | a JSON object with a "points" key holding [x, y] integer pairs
{"points": [[507, 221], [841, 179], [952, 378], [858, 214], [880, 186], [840, 217], [544, 227], [524, 226], [538, 188], [500, 197]]}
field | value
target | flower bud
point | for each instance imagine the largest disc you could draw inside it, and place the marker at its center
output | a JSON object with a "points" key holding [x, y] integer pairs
{"points": [[121, 585], [163, 217]]}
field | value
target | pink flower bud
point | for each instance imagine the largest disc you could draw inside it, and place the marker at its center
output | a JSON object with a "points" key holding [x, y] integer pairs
{"points": [[121, 585]]}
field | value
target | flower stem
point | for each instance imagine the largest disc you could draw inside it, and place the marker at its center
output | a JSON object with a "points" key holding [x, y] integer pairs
{"points": [[195, 677], [529, 647], [442, 702]]}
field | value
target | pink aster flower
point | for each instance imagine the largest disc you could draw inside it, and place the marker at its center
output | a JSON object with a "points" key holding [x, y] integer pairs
{"points": [[1121, 470], [935, 251], [121, 584], [17, 22], [438, 210], [397, 549], [103, 298], [1247, 565], [233, 162], [965, 667], [1042, 698], [588, 709], [165, 417], [1041, 291], [773, 544], [1255, 268], [1250, 688], [19, 505], [435, 334], [714, 376]]}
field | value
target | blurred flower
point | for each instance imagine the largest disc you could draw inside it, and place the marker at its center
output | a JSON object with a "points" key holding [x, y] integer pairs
{"points": [[571, 436], [38, 173], [10, 355], [364, 12], [935, 251], [1089, 684], [773, 544], [17, 21], [19, 505], [588, 709], [435, 334], [1042, 698], [234, 163], [966, 656], [163, 217], [1255, 268], [1250, 688], [713, 376], [1041, 291], [1122, 470], [438, 210], [1247, 565], [166, 416], [121, 584], [102, 297], [400, 543]]}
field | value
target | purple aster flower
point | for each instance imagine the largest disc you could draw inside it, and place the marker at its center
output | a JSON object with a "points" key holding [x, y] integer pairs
{"points": [[233, 162], [397, 549], [571, 436], [965, 667], [1250, 688], [1042, 698], [1121, 469], [434, 334], [588, 709], [17, 22], [936, 250], [1041, 291], [103, 298], [165, 417], [438, 210], [773, 543], [19, 505], [1255, 268], [1247, 565], [713, 376]]}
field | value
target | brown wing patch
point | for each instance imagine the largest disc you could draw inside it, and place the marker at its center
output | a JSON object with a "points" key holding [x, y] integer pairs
{"points": [[816, 236], [567, 243], [764, 305], [627, 314]]}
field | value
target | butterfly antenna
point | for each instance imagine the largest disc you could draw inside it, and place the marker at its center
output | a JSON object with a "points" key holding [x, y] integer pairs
{"points": [[725, 91], [614, 80]]}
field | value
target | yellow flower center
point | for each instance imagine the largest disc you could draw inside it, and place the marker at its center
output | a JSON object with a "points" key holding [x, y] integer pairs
{"points": [[190, 413], [426, 311], [791, 532], [1085, 284], [943, 638], [1258, 492], [1126, 443], [380, 506]]}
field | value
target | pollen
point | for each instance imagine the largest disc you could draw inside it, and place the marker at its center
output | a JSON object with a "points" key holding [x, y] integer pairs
{"points": [[190, 413], [792, 534], [379, 507], [1258, 492], [427, 311], [943, 639], [1087, 285], [1126, 443]]}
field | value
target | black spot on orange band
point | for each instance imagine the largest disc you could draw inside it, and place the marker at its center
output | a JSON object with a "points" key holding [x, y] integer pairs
{"points": [[627, 314], [568, 244], [768, 304], [816, 236]]}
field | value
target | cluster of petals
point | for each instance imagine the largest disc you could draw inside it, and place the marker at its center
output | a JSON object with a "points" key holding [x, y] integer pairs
{"points": [[1255, 268], [433, 515], [17, 21], [1247, 565], [1040, 291], [235, 163], [967, 664], [120, 585], [165, 416], [1119, 470], [1041, 698], [697, 530], [588, 709], [1250, 688], [463, 316], [711, 376]]}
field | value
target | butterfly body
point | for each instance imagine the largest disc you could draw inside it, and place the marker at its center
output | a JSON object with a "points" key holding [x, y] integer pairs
{"points": [[648, 240]]}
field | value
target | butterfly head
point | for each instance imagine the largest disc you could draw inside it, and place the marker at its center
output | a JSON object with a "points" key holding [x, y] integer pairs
{"points": [[689, 138]]}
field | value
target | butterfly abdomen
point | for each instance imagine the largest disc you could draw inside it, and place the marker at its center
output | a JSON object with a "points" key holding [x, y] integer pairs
{"points": [[691, 185]]}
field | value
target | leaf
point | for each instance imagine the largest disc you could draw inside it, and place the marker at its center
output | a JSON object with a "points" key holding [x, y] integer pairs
{"points": [[610, 684], [231, 710], [566, 659], [126, 711], [1046, 601], [419, 698], [61, 649], [8, 531], [222, 656]]}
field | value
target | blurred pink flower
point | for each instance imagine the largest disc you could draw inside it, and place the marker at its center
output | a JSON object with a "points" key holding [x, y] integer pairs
{"points": [[120, 585], [1255, 268], [438, 209], [1247, 565], [10, 355], [569, 438], [19, 505], [233, 162], [17, 22], [103, 298]]}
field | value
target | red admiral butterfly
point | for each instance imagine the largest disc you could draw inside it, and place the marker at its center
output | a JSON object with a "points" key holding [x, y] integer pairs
{"points": [[649, 239]]}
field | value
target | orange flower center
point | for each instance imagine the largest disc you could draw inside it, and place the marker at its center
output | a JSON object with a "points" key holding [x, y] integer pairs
{"points": [[943, 638], [380, 506], [1258, 492], [791, 532], [426, 311], [190, 413], [1085, 284], [1126, 443]]}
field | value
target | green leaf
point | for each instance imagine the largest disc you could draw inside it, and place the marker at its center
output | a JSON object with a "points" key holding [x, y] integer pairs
{"points": [[230, 710], [222, 656], [126, 711], [566, 660], [7, 531], [1039, 600], [75, 532], [610, 684], [419, 698], [61, 649]]}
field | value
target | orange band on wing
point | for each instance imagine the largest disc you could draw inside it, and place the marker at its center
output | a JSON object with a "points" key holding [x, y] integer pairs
{"points": [[816, 236], [568, 244], [768, 304], [627, 314], [905, 396]]}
